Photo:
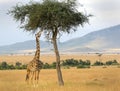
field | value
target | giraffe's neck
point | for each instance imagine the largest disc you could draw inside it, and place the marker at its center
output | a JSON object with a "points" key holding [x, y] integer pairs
{"points": [[37, 53]]}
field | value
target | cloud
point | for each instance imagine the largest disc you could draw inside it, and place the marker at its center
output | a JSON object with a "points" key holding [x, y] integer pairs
{"points": [[107, 5], [4, 1], [106, 10]]}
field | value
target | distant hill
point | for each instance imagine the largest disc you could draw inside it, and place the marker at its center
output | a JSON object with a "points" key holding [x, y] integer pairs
{"points": [[20, 47], [104, 40]]}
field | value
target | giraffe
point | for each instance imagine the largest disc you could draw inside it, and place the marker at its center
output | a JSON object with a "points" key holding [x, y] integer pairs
{"points": [[34, 66]]}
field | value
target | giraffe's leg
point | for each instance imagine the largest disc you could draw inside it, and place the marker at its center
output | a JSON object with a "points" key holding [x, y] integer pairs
{"points": [[28, 76], [35, 78], [32, 76], [38, 76]]}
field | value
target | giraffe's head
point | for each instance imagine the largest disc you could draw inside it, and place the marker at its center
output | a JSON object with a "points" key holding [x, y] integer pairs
{"points": [[38, 34]]}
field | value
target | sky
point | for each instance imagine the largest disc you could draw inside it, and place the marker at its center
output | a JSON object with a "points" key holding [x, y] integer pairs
{"points": [[105, 13]]}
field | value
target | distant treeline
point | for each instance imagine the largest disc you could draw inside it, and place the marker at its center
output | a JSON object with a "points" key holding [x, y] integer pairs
{"points": [[5, 66], [64, 64]]}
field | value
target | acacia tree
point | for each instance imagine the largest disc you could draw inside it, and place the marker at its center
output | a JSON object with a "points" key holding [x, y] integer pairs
{"points": [[61, 18], [55, 18]]}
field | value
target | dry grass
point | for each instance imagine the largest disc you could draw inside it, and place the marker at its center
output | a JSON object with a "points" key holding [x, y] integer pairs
{"points": [[50, 58], [93, 79]]}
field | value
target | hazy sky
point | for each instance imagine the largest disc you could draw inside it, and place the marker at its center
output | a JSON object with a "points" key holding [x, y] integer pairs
{"points": [[106, 13]]}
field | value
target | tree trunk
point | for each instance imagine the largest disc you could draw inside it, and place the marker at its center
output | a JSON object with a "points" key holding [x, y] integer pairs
{"points": [[59, 73]]}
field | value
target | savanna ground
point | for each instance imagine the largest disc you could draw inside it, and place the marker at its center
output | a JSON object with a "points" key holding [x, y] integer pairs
{"points": [[49, 58], [93, 79]]}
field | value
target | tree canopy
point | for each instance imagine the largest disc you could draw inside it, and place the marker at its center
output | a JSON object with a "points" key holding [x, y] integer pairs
{"points": [[48, 14]]}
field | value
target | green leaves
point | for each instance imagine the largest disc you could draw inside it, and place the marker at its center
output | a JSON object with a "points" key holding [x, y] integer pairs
{"points": [[49, 14]]}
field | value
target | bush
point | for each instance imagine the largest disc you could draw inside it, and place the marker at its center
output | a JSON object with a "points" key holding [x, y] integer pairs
{"points": [[49, 66], [114, 62], [66, 67], [24, 66], [73, 62], [46, 66], [11, 67], [53, 65], [83, 66], [18, 65], [87, 62], [4, 65], [98, 63], [70, 62]]}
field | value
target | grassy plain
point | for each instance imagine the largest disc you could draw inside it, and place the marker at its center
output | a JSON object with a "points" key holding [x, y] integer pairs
{"points": [[93, 79], [49, 58]]}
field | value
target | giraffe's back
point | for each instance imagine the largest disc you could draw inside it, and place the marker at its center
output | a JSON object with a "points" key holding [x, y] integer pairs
{"points": [[39, 64], [35, 65]]}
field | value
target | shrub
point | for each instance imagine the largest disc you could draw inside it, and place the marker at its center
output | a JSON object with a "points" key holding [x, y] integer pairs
{"points": [[18, 65], [24, 66], [114, 62], [53, 65], [87, 62], [98, 63], [11, 67], [70, 62], [83, 66], [46, 66], [4, 65], [66, 67]]}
